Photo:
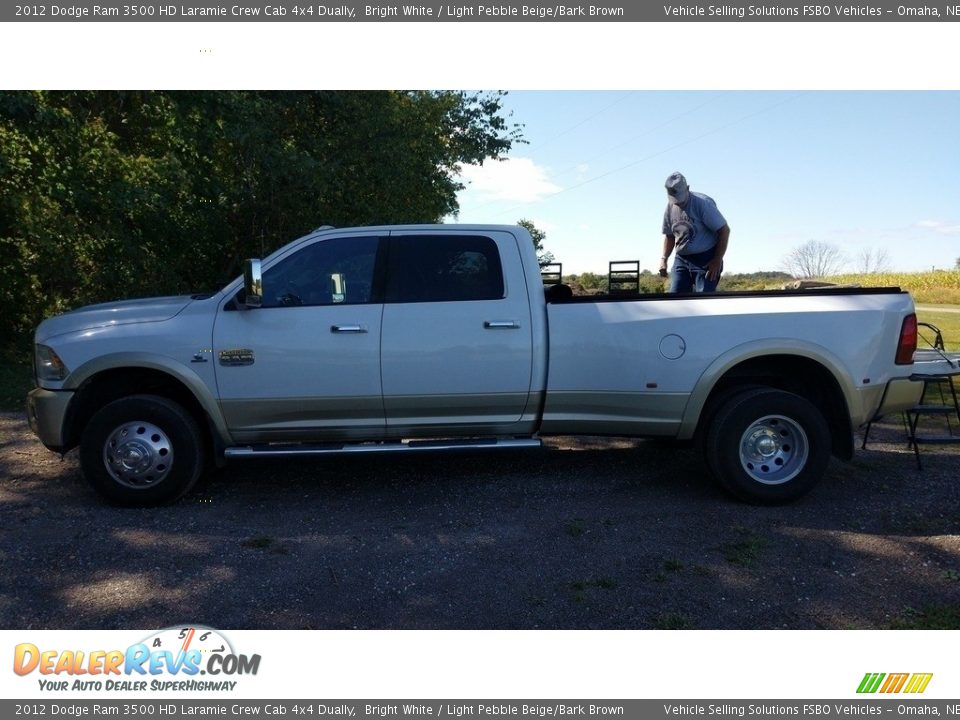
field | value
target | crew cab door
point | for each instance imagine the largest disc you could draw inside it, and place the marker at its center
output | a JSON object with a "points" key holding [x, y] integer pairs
{"points": [[456, 349], [306, 365]]}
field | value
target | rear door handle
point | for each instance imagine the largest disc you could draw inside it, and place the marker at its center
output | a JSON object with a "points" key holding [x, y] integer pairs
{"points": [[347, 329], [501, 324]]}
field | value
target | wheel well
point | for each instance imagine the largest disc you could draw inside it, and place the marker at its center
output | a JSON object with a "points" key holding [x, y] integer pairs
{"points": [[109, 385], [799, 375]]}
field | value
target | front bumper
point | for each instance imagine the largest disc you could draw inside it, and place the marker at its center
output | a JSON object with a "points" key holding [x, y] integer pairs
{"points": [[46, 410]]}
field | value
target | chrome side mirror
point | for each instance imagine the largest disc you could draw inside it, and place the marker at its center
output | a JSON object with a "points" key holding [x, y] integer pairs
{"points": [[252, 283]]}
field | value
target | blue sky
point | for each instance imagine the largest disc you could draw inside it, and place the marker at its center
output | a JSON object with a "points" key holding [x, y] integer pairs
{"points": [[860, 170]]}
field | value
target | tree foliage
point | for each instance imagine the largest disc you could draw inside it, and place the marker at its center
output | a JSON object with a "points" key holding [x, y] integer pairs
{"points": [[814, 259], [589, 282], [544, 257], [108, 195]]}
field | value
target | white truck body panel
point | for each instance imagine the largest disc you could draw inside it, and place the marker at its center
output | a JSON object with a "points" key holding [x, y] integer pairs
{"points": [[647, 357], [448, 364]]}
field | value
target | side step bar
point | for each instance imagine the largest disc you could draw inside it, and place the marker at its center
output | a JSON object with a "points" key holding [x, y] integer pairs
{"points": [[406, 446]]}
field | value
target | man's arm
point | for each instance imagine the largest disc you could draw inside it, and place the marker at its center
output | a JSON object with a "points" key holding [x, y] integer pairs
{"points": [[716, 263], [669, 241]]}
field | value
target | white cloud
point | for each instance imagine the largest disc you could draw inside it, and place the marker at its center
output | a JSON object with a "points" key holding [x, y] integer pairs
{"points": [[938, 226], [511, 180]]}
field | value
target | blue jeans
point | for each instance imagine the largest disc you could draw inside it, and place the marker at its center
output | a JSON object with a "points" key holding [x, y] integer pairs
{"points": [[686, 277]]}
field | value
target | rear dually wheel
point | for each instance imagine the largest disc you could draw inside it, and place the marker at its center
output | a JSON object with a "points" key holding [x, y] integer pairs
{"points": [[768, 446]]}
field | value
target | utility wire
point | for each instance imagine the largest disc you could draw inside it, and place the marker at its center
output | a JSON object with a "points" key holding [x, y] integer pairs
{"points": [[648, 131], [581, 122], [629, 165]]}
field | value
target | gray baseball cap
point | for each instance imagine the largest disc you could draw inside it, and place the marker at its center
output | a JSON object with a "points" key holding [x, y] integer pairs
{"points": [[677, 189]]}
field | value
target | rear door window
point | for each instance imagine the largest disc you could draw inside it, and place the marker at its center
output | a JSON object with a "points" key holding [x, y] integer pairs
{"points": [[439, 268]]}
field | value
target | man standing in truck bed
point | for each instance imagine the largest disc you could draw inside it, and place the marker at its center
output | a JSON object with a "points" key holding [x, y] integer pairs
{"points": [[695, 227]]}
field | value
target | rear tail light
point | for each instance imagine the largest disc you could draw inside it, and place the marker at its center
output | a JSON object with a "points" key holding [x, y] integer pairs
{"points": [[908, 340]]}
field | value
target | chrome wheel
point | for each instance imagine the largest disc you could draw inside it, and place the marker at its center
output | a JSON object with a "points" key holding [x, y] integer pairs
{"points": [[138, 454], [774, 449]]}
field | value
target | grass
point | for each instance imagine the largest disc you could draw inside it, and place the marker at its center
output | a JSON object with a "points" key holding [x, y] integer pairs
{"points": [[580, 587], [745, 550], [674, 621], [932, 617], [948, 322], [668, 566]]}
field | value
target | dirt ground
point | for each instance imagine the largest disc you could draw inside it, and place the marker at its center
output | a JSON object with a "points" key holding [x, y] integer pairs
{"points": [[587, 533]]}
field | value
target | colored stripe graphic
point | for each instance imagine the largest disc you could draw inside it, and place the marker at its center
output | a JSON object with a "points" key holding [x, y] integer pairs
{"points": [[895, 682], [870, 682], [918, 683]]}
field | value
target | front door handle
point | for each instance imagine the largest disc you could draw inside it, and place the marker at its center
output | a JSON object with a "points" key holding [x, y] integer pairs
{"points": [[347, 329], [501, 324]]}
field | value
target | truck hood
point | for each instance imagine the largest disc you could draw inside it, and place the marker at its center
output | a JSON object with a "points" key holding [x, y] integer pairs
{"points": [[124, 312]]}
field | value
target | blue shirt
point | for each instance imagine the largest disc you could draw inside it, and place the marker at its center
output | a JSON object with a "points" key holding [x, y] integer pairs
{"points": [[694, 227]]}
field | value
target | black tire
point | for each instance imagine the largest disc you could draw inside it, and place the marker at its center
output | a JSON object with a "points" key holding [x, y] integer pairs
{"points": [[142, 450], [767, 446]]}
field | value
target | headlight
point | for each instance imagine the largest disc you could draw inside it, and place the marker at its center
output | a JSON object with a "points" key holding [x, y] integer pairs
{"points": [[49, 364]]}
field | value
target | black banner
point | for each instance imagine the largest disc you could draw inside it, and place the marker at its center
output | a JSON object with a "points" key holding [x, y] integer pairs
{"points": [[506, 10], [480, 709]]}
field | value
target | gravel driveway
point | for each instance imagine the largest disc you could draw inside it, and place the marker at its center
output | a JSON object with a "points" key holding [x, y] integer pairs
{"points": [[587, 533]]}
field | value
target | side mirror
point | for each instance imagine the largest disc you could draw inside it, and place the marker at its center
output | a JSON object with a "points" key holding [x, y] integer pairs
{"points": [[252, 283]]}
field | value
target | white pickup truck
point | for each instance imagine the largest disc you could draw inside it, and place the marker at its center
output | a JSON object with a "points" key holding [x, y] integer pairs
{"points": [[414, 338]]}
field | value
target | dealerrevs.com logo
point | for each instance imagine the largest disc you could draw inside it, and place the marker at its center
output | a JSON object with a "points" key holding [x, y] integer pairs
{"points": [[171, 659], [894, 682]]}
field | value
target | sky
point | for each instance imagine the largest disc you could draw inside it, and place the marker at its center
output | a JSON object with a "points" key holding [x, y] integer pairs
{"points": [[864, 171]]}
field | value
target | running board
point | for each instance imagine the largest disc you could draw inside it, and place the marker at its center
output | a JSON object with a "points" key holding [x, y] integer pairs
{"points": [[407, 446]]}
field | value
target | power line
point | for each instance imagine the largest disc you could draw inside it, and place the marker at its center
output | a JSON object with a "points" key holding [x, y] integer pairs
{"points": [[629, 165], [648, 131], [582, 122]]}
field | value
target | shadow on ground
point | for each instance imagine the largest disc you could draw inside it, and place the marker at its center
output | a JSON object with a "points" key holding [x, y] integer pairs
{"points": [[586, 533]]}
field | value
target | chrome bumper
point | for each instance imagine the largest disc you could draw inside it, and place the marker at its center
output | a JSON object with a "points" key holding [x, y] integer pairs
{"points": [[46, 410]]}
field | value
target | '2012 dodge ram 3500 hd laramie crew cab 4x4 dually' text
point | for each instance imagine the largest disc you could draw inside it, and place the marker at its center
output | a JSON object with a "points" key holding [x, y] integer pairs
{"points": [[407, 338]]}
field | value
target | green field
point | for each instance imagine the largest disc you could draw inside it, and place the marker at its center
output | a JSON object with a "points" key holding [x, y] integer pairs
{"points": [[945, 317]]}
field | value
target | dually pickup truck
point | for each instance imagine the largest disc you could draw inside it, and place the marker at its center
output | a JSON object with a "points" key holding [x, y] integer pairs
{"points": [[416, 338]]}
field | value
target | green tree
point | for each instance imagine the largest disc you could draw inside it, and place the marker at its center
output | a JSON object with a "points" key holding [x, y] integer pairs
{"points": [[544, 257], [591, 282], [108, 195]]}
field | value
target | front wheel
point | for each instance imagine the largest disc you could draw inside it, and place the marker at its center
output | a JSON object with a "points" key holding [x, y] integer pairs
{"points": [[768, 446], [141, 450]]}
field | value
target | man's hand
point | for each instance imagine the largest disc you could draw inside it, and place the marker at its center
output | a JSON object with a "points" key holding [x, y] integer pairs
{"points": [[714, 268], [663, 267]]}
